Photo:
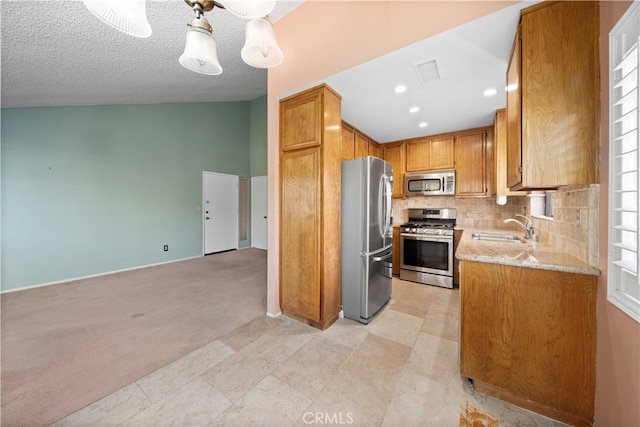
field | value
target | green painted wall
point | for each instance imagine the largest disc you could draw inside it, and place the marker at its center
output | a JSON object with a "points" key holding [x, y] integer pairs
{"points": [[259, 136], [88, 190]]}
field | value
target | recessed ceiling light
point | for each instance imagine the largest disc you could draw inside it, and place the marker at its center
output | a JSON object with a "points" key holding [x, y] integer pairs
{"points": [[511, 87], [423, 124], [414, 109], [490, 92], [400, 89]]}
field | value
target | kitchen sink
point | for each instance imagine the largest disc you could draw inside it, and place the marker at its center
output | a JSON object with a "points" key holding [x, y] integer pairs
{"points": [[497, 237]]}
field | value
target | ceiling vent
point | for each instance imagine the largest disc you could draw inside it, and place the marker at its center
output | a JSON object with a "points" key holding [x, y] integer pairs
{"points": [[427, 71]]}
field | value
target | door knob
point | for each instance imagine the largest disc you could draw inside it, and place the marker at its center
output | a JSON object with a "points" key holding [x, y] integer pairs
{"points": [[206, 217], [265, 217]]}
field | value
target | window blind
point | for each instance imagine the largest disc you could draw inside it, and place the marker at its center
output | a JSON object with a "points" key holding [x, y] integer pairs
{"points": [[623, 287]]}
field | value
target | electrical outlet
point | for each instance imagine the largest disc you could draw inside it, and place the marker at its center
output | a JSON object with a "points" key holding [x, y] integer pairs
{"points": [[166, 248], [584, 218]]}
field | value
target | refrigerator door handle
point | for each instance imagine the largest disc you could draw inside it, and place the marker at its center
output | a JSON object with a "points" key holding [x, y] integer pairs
{"points": [[381, 258], [388, 193], [384, 205]]}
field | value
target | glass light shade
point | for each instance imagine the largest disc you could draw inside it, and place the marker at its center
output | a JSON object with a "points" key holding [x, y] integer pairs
{"points": [[261, 49], [128, 16], [200, 53], [249, 9]]}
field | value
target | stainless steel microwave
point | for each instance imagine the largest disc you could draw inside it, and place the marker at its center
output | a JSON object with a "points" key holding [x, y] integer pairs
{"points": [[431, 183]]}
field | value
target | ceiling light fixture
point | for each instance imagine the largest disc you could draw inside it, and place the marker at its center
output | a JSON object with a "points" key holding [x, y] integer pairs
{"points": [[490, 92], [400, 89], [414, 109], [423, 124], [260, 50], [200, 51], [127, 16]]}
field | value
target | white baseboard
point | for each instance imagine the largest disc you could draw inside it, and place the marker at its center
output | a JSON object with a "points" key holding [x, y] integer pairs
{"points": [[274, 315], [72, 279]]}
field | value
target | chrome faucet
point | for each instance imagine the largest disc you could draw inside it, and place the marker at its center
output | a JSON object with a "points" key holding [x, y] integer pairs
{"points": [[527, 227]]}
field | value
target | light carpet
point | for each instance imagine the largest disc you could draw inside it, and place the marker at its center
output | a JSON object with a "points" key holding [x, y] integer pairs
{"points": [[66, 346]]}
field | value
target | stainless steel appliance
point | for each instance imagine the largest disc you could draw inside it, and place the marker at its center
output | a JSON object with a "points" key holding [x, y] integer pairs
{"points": [[426, 247], [366, 237], [432, 183]]}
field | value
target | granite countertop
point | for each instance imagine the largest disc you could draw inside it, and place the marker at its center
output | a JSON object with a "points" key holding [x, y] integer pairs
{"points": [[527, 254]]}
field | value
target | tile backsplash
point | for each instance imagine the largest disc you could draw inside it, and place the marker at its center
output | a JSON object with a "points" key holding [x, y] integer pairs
{"points": [[566, 231], [574, 227]]}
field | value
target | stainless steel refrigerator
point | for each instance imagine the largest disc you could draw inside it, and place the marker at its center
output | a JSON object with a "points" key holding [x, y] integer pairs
{"points": [[366, 237]]}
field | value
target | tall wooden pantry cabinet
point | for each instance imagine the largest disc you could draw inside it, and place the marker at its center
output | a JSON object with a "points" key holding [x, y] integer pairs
{"points": [[310, 162]]}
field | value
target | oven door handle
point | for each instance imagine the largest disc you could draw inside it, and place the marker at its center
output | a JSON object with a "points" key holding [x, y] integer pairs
{"points": [[427, 238]]}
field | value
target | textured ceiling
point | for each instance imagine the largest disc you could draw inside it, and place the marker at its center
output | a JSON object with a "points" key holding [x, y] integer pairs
{"points": [[57, 53]]}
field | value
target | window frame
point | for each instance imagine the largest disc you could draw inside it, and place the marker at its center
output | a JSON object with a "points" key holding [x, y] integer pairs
{"points": [[616, 293]]}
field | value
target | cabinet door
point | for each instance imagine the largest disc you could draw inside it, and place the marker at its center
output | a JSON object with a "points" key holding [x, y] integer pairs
{"points": [[530, 335], [500, 156], [306, 112], [560, 98], [514, 119], [348, 142], [441, 152], [300, 225], [418, 154], [430, 153], [394, 154], [374, 149], [362, 145], [471, 164]]}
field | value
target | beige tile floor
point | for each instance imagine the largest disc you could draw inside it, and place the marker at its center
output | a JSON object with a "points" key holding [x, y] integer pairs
{"points": [[400, 370]]}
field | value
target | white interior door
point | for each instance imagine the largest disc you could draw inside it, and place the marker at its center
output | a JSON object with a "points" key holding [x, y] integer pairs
{"points": [[259, 212], [219, 212]]}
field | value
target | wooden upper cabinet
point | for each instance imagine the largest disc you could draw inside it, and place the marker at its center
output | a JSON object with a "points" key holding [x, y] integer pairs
{"points": [[441, 152], [394, 153], [500, 162], [348, 142], [430, 153], [471, 164], [306, 113], [362, 145], [374, 149], [556, 58], [513, 118]]}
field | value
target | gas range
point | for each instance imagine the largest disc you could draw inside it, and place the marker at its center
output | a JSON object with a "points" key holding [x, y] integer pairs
{"points": [[435, 222], [426, 247]]}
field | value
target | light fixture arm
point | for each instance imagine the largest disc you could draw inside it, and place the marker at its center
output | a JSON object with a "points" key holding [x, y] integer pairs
{"points": [[203, 5]]}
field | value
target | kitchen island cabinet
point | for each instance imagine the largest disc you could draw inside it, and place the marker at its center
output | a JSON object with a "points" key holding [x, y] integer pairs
{"points": [[528, 327], [553, 103], [310, 174]]}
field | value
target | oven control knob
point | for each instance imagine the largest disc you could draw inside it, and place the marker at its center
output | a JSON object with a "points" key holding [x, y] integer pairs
{"points": [[413, 230], [438, 231]]}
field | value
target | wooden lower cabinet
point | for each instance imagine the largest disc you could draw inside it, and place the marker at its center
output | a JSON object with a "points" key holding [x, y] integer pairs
{"points": [[457, 235], [527, 336]]}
